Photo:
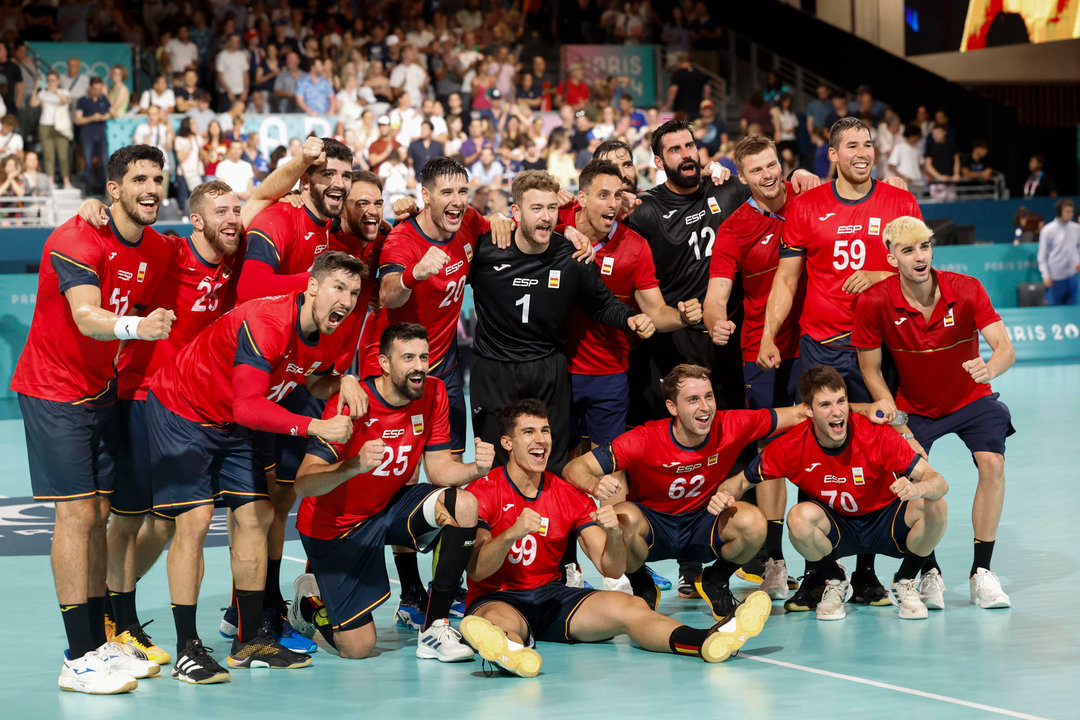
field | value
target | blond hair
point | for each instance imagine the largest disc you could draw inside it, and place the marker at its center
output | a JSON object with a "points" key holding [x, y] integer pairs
{"points": [[905, 230]]}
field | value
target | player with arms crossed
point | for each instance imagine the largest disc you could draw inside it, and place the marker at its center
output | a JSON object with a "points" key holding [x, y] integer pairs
{"points": [[201, 411], [929, 321], [90, 280], [833, 231], [357, 499], [861, 489], [527, 517]]}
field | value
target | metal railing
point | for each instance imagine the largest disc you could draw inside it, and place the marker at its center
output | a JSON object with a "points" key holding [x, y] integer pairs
{"points": [[28, 211], [937, 192]]}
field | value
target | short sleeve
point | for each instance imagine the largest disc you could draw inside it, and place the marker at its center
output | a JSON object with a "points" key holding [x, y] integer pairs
{"points": [[985, 314], [645, 271], [865, 334], [628, 449], [487, 506], [793, 232], [262, 248], [256, 342], [725, 257], [894, 452], [329, 451], [77, 259], [439, 437], [397, 254]]}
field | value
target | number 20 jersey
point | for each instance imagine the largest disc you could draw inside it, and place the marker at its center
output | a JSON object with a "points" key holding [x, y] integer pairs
{"points": [[839, 237], [669, 477]]}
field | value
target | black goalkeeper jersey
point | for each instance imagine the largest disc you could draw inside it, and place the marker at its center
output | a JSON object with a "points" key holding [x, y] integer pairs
{"points": [[523, 301]]}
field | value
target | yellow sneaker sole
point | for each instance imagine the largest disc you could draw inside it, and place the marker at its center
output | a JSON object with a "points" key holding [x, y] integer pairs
{"points": [[750, 618], [491, 643]]}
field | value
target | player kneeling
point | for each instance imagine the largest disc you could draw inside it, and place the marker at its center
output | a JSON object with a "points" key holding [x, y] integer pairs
{"points": [[526, 518], [356, 500], [863, 490]]}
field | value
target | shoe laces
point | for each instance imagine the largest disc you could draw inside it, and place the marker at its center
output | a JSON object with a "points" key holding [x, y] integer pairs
{"points": [[138, 634], [834, 590], [906, 590]]}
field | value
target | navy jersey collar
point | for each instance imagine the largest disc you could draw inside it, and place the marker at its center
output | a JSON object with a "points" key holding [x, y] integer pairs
{"points": [[116, 232], [310, 340]]}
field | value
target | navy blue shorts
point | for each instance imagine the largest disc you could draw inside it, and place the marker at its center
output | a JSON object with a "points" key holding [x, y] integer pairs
{"points": [[71, 448], [289, 451], [197, 464], [982, 425], [685, 536], [450, 371], [599, 406], [263, 444], [547, 610], [882, 532], [134, 493], [773, 388], [351, 570], [842, 358]]}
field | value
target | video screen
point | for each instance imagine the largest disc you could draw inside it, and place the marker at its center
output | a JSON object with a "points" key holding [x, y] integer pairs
{"points": [[935, 26]]}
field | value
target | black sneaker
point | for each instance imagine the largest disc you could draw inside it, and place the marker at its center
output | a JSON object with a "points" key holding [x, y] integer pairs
{"points": [[867, 590], [716, 592], [754, 571], [688, 572], [194, 665], [264, 651], [806, 597]]}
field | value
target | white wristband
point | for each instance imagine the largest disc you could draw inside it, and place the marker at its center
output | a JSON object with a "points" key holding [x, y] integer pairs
{"points": [[126, 328]]}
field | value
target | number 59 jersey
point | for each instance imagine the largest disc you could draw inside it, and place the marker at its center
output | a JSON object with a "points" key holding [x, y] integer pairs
{"points": [[669, 477], [408, 431], [839, 237], [534, 560]]}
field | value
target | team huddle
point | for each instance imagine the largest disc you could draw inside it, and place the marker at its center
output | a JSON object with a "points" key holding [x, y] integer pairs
{"points": [[747, 331]]}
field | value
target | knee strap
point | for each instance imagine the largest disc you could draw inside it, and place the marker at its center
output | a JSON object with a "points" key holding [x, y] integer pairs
{"points": [[449, 497]]}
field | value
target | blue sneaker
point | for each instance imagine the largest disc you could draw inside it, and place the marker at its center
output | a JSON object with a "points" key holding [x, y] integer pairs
{"points": [[285, 634], [412, 608], [230, 623], [457, 610], [659, 580]]}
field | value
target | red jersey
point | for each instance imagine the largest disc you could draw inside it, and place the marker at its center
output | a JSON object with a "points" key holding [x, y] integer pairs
{"points": [[287, 238], [625, 264], [58, 362], [436, 302], [853, 479], [666, 476], [534, 560], [929, 355], [265, 334], [199, 293], [356, 330], [837, 238], [408, 431], [748, 244]]}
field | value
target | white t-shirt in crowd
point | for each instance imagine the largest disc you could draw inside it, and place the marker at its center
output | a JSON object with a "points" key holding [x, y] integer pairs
{"points": [[166, 100], [413, 79], [233, 66], [191, 167], [158, 136], [908, 161], [181, 54], [237, 174]]}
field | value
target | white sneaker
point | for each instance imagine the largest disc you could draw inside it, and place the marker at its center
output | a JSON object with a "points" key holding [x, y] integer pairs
{"points": [[129, 660], [619, 584], [904, 594], [443, 643], [986, 590], [95, 675], [303, 587], [573, 576], [775, 580], [831, 604], [932, 590], [493, 645]]}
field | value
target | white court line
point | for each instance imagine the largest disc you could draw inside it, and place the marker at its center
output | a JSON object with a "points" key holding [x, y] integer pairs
{"points": [[897, 688], [299, 560]]}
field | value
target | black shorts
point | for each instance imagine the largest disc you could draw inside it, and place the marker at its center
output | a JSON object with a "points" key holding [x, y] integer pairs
{"points": [[982, 425], [197, 464], [494, 384], [882, 532], [351, 570], [840, 357], [134, 493], [600, 404], [773, 388], [664, 351], [683, 536], [71, 448], [289, 450], [547, 610], [449, 370]]}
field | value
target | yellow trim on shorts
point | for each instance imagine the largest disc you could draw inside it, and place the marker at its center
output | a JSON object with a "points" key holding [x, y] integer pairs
{"points": [[365, 611]]}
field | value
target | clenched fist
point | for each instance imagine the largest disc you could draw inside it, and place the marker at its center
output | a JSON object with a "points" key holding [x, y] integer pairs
{"points": [[432, 262], [370, 455], [156, 325], [606, 518], [527, 523], [485, 456], [642, 325], [336, 429], [690, 311]]}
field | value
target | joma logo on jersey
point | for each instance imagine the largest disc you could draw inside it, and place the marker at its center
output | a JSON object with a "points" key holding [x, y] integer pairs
{"points": [[835, 479], [848, 229], [687, 468], [451, 269], [691, 219], [525, 282], [394, 433]]}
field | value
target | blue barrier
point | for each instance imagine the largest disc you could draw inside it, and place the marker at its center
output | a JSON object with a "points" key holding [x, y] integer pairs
{"points": [[993, 219], [1000, 268], [22, 247], [1041, 334]]}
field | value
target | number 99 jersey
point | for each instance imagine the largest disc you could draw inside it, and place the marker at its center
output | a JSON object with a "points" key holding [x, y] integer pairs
{"points": [[408, 431], [839, 237], [533, 561], [669, 477]]}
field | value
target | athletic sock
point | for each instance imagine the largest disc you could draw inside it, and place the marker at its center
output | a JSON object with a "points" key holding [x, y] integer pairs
{"points": [[184, 618], [314, 612], [864, 563], [774, 539], [827, 567], [721, 571], [451, 556], [123, 609], [983, 550], [272, 591], [641, 581], [77, 627], [249, 606], [407, 569], [909, 567], [931, 563], [95, 608], [685, 640]]}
